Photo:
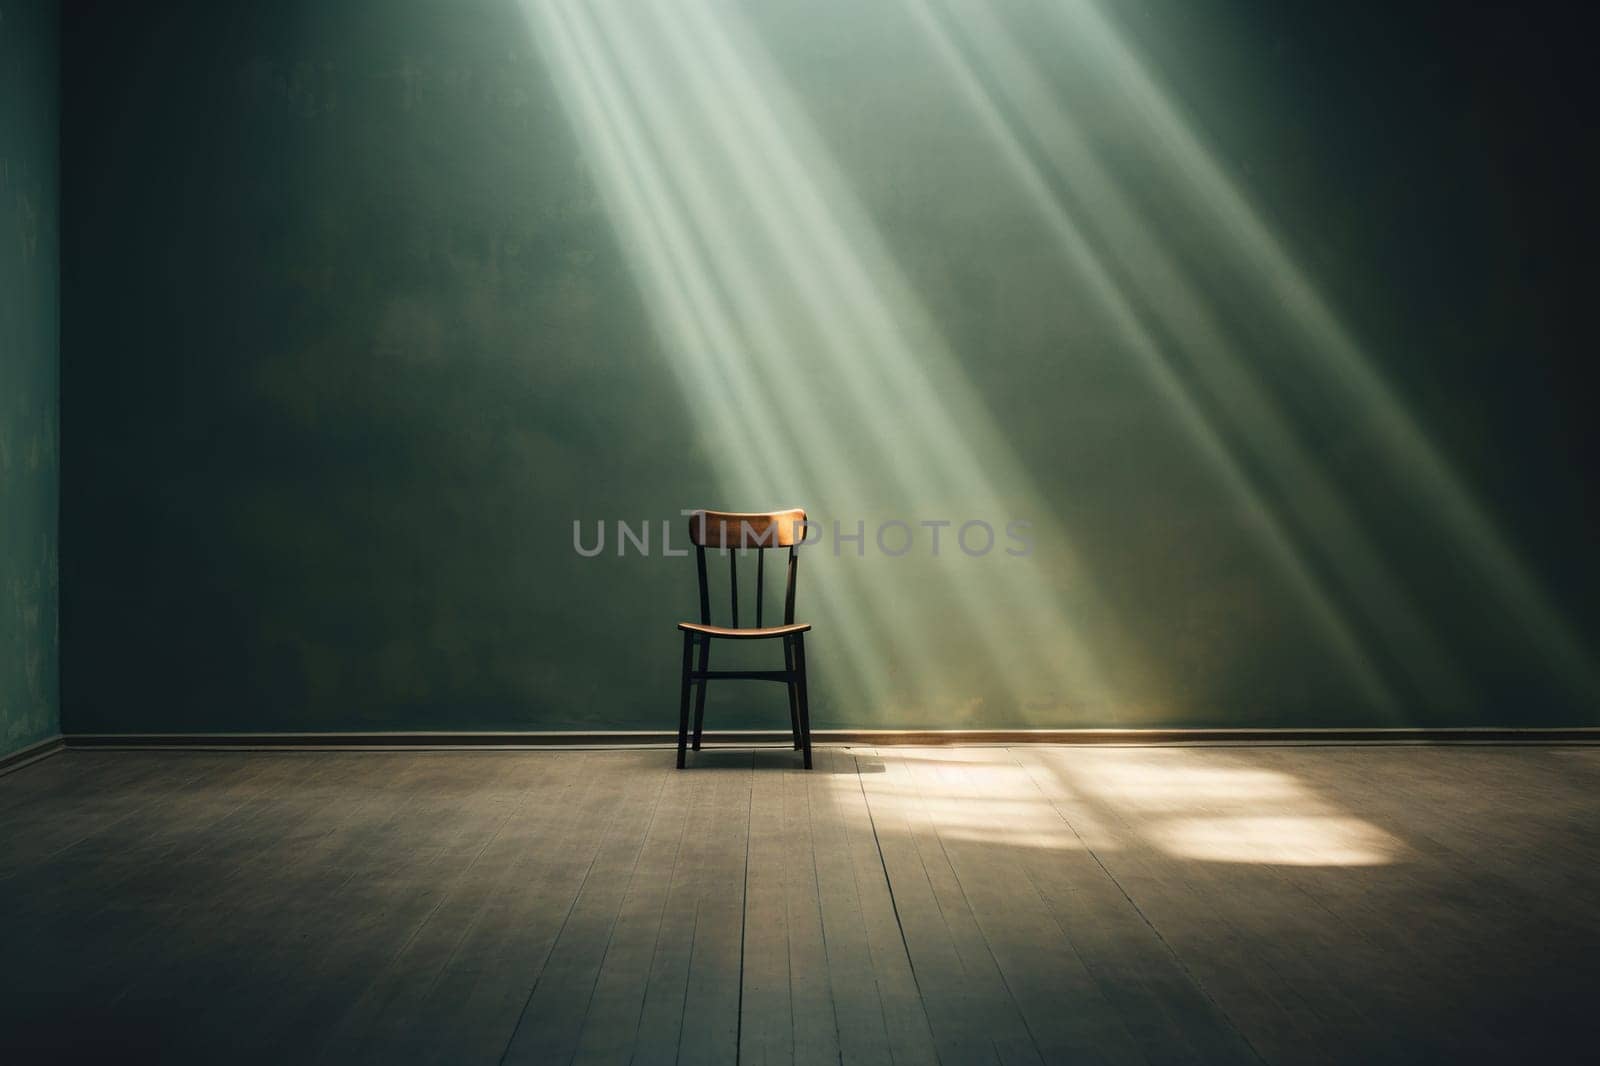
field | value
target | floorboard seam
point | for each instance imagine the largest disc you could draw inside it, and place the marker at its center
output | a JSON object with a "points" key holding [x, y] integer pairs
{"points": [[622, 901], [999, 971], [445, 896], [1176, 958], [119, 819], [683, 1023], [655, 944], [511, 1042], [744, 917], [894, 904], [822, 925], [1033, 885], [472, 923]]}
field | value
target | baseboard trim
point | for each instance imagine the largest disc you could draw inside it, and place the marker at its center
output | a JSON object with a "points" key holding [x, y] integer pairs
{"points": [[536, 740], [31, 754]]}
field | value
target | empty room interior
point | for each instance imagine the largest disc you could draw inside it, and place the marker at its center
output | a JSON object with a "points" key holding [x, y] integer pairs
{"points": [[1125, 463]]}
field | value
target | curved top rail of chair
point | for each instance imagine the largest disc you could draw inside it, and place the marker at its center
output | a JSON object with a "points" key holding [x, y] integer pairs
{"points": [[747, 529]]}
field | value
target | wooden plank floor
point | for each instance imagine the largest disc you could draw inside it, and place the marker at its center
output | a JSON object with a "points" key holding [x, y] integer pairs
{"points": [[957, 905]]}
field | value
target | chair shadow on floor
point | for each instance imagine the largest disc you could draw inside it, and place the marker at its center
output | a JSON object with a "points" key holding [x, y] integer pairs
{"points": [[745, 757]]}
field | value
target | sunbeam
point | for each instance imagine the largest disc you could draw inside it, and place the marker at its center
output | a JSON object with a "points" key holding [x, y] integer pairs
{"points": [[1139, 341], [677, 286], [816, 374], [819, 373], [1245, 245], [826, 251]]}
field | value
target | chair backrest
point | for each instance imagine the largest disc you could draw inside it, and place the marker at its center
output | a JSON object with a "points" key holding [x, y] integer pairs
{"points": [[734, 532]]}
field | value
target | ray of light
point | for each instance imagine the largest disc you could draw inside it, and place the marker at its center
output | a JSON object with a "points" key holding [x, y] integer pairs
{"points": [[1116, 304], [1256, 253], [743, 320], [866, 318], [886, 391], [676, 288]]}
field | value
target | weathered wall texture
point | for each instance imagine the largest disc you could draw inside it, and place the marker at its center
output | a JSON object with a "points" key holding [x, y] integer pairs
{"points": [[354, 336], [30, 467]]}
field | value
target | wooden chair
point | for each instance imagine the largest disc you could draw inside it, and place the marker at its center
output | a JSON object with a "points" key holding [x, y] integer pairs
{"points": [[733, 532]]}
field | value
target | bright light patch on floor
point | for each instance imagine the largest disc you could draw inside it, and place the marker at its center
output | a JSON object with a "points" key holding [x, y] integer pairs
{"points": [[1151, 786], [1277, 841], [1203, 804]]}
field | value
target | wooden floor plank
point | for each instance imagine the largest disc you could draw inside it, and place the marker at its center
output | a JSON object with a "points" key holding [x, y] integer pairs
{"points": [[612, 1026], [499, 965], [92, 918], [969, 1009], [553, 1019], [976, 819], [711, 1004], [276, 907], [811, 992], [767, 1033], [391, 1016], [1202, 837], [155, 830], [132, 964], [383, 902], [1475, 911], [1160, 1005], [853, 881], [65, 781], [43, 832], [1234, 956], [661, 1014], [956, 905], [856, 1007]]}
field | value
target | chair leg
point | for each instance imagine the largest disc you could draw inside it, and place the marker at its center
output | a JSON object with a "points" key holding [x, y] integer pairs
{"points": [[805, 707], [683, 701], [794, 698], [700, 693]]}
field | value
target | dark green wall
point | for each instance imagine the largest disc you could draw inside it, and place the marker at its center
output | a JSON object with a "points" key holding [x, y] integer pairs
{"points": [[30, 708], [351, 340]]}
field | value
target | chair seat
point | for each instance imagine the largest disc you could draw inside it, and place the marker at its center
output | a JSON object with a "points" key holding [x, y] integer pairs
{"points": [[758, 633]]}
